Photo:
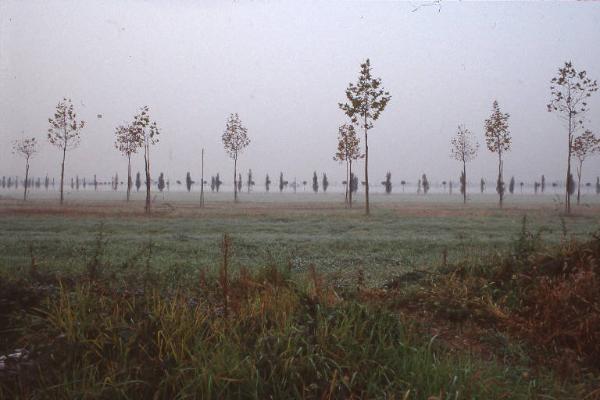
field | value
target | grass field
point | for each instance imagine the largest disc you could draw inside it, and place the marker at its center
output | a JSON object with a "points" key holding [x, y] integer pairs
{"points": [[404, 233], [308, 300]]}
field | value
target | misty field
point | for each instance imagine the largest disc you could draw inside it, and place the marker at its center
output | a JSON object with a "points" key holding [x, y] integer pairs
{"points": [[405, 232]]}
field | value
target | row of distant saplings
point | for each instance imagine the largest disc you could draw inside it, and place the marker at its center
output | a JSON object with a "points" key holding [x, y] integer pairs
{"points": [[365, 101], [423, 184]]}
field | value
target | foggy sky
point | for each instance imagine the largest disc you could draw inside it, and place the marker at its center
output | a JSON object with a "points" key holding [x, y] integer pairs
{"points": [[284, 66]]}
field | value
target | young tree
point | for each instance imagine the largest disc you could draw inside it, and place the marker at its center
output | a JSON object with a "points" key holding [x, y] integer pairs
{"points": [[96, 183], [25, 148], [3, 182], [72, 183], [325, 183], [450, 188], [235, 140], [463, 183], [128, 141], [76, 182], [425, 184], [202, 182], [482, 185], [521, 184], [464, 148], [149, 132], [366, 101], [46, 183], [239, 182], [250, 182], [282, 183], [267, 183], [511, 185], [498, 140], [9, 182], [597, 184], [64, 133], [188, 182], [571, 185], [403, 183], [353, 183], [348, 150], [161, 182], [387, 184], [543, 184], [536, 187], [569, 92], [212, 183], [138, 181], [218, 182], [583, 146], [315, 182]]}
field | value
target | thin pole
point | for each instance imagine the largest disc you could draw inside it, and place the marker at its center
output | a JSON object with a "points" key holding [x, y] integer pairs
{"points": [[202, 182]]}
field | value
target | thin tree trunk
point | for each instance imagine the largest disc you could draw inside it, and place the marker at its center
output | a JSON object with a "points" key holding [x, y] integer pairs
{"points": [[62, 174], [465, 182], [567, 195], [128, 176], [202, 182], [350, 186], [367, 209], [347, 184], [235, 194], [500, 183], [579, 181], [26, 179], [148, 183]]}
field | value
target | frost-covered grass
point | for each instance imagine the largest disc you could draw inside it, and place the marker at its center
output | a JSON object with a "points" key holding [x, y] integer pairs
{"points": [[399, 236]]}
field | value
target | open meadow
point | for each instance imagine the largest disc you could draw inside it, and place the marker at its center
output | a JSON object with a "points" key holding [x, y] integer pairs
{"points": [[405, 232]]}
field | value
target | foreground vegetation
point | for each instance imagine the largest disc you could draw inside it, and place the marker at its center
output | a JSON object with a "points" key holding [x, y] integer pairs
{"points": [[265, 335], [300, 303]]}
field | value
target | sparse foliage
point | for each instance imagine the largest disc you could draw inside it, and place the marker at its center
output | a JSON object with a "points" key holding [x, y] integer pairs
{"points": [[235, 140], [348, 150], [25, 148], [463, 148], [366, 101], [498, 140], [569, 94], [128, 141], [584, 145], [64, 133], [149, 132]]}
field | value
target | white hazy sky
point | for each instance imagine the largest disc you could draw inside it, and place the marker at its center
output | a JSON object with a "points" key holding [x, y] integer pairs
{"points": [[284, 66]]}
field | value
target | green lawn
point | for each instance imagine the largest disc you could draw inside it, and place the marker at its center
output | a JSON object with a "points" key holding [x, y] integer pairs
{"points": [[337, 241]]}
